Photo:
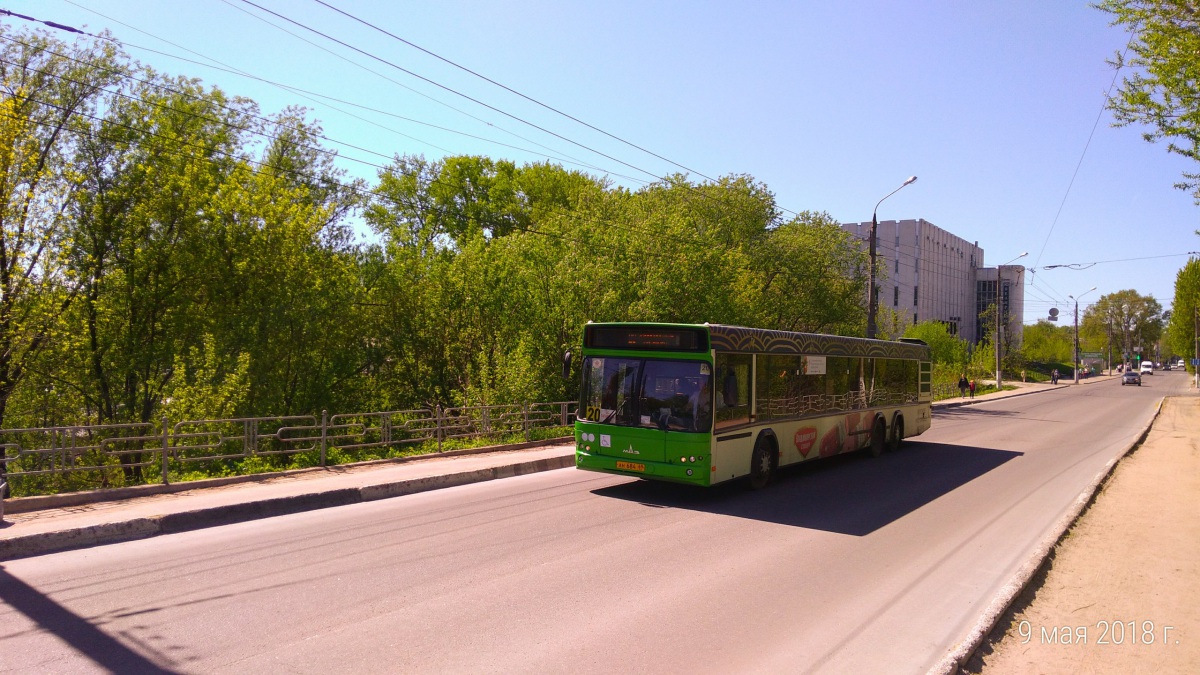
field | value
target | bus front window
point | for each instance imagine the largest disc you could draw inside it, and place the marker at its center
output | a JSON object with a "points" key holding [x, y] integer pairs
{"points": [[660, 394], [677, 396], [608, 389]]}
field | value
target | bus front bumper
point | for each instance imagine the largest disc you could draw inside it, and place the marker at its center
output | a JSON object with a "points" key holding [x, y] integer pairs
{"points": [[689, 473]]}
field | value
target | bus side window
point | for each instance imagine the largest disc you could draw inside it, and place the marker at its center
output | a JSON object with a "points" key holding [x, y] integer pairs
{"points": [[733, 400]]}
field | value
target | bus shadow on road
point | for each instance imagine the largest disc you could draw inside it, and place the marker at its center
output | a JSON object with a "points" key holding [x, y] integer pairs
{"points": [[972, 411], [853, 494]]}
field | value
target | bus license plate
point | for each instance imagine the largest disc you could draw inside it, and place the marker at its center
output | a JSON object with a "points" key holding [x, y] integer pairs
{"points": [[631, 466]]}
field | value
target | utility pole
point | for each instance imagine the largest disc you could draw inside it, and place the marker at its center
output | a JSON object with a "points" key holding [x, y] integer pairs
{"points": [[1077, 342], [1109, 359], [872, 296], [1076, 299]]}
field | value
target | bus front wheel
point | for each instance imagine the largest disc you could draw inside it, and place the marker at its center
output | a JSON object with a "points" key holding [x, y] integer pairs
{"points": [[761, 464]]}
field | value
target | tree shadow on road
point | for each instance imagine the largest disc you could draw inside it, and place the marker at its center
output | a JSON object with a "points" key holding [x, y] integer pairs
{"points": [[852, 494], [75, 631]]}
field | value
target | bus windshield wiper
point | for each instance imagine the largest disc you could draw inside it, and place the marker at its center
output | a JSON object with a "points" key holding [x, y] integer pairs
{"points": [[620, 406]]}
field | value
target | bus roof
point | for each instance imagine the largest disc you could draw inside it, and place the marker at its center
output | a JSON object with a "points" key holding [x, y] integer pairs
{"points": [[760, 340]]}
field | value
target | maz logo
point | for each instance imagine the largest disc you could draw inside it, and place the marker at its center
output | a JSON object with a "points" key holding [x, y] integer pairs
{"points": [[630, 450]]}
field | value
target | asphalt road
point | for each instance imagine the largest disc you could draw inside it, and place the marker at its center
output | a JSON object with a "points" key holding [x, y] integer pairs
{"points": [[851, 565]]}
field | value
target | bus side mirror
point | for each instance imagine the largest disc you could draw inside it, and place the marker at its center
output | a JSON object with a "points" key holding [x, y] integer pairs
{"points": [[566, 365]]}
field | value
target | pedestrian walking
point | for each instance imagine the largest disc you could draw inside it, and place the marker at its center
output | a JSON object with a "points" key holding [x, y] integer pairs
{"points": [[972, 387], [1054, 376], [1022, 374], [962, 385]]}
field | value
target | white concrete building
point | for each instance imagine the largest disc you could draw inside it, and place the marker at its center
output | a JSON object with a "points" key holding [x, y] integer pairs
{"points": [[932, 275], [1012, 302]]}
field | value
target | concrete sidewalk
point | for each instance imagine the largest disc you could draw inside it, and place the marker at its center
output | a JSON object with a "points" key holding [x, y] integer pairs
{"points": [[1120, 592], [37, 525], [1022, 389], [77, 521]]}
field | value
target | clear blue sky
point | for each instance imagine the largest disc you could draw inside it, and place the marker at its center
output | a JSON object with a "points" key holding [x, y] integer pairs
{"points": [[830, 104]]}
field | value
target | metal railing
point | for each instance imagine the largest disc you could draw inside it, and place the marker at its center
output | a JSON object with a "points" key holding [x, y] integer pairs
{"points": [[91, 456], [944, 391]]}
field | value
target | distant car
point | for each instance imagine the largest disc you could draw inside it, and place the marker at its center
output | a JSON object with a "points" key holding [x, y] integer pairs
{"points": [[1147, 368], [1131, 377]]}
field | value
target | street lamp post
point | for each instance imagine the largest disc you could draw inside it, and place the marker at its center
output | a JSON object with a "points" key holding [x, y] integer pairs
{"points": [[872, 299], [998, 282], [1108, 361], [1076, 364]]}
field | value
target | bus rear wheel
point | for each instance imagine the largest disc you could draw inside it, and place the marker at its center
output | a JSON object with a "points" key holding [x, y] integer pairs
{"points": [[897, 434], [761, 464]]}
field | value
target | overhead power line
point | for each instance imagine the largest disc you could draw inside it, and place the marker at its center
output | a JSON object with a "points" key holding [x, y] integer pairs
{"points": [[226, 68], [510, 89], [448, 89], [451, 90], [1084, 266], [52, 24], [163, 87], [1083, 154]]}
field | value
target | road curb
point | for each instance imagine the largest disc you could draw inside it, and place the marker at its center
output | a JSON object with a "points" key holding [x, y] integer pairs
{"points": [[142, 528], [955, 661]]}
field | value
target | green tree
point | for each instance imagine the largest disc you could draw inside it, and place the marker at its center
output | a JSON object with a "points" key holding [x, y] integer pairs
{"points": [[1134, 321], [149, 170], [1162, 91], [814, 277], [1045, 342], [1181, 331], [284, 284], [945, 348], [49, 91]]}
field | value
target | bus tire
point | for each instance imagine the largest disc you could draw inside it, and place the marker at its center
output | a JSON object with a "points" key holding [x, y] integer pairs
{"points": [[878, 437], [762, 464], [897, 436]]}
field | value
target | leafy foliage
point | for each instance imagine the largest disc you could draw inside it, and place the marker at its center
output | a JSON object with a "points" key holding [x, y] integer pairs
{"points": [[1163, 90], [945, 348], [1181, 331], [1134, 322]]}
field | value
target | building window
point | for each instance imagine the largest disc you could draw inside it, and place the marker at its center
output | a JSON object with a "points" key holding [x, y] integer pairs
{"points": [[895, 296], [914, 296], [897, 264]]}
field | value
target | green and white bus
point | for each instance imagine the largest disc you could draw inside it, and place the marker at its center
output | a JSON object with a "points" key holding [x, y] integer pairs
{"points": [[704, 404]]}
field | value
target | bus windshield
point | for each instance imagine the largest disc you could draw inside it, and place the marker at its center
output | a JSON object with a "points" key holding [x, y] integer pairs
{"points": [[652, 393]]}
